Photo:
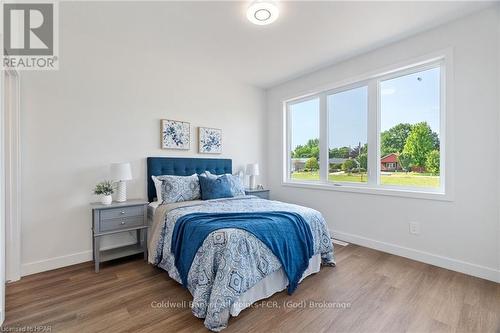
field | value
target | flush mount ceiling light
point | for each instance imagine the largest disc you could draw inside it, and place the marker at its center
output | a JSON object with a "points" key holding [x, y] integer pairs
{"points": [[262, 12]]}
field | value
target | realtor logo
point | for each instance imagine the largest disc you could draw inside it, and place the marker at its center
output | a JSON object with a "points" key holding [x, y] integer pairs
{"points": [[29, 36]]}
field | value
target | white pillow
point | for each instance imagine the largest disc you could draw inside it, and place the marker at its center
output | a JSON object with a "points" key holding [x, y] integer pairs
{"points": [[157, 183]]}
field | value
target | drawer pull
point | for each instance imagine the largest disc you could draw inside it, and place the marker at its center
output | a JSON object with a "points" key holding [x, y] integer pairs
{"points": [[122, 222], [122, 212]]}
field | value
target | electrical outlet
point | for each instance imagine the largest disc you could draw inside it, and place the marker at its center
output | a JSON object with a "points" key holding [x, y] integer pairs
{"points": [[414, 228]]}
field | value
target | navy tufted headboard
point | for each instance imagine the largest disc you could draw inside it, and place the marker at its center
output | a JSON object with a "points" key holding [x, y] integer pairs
{"points": [[181, 166]]}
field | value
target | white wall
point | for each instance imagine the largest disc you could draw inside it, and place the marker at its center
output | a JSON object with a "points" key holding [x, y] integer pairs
{"points": [[115, 82], [460, 235]]}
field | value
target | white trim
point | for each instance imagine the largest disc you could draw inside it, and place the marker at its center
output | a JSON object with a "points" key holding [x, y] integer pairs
{"points": [[63, 261], [498, 124], [2, 198], [442, 60], [406, 192], [483, 272], [373, 136], [339, 242], [323, 138], [286, 139], [12, 148], [54, 263]]}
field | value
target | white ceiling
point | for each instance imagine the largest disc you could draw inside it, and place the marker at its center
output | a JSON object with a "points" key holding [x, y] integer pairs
{"points": [[307, 35]]}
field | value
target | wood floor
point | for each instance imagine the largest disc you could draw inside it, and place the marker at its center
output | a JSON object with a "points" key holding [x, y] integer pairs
{"points": [[372, 292]]}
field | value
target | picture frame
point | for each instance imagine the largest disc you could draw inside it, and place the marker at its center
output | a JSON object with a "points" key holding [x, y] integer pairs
{"points": [[175, 134], [209, 140]]}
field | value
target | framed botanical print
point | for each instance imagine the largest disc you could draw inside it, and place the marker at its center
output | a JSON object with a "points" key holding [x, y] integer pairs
{"points": [[175, 134], [209, 140]]}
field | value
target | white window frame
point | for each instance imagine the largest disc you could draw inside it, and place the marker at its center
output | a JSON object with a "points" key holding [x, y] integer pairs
{"points": [[372, 81], [288, 133]]}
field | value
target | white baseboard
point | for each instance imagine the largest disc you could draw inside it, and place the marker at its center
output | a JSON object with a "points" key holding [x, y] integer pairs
{"points": [[63, 261], [53, 263], [339, 242], [426, 257]]}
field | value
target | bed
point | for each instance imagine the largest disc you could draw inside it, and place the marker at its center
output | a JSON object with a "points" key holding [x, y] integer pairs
{"points": [[232, 268]]}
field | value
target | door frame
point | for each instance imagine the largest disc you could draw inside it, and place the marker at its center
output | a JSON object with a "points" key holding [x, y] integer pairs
{"points": [[12, 172]]}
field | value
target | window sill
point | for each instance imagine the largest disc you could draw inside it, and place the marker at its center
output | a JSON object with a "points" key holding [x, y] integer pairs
{"points": [[414, 193]]}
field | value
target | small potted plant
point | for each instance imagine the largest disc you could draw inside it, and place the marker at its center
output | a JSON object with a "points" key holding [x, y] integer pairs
{"points": [[104, 189]]}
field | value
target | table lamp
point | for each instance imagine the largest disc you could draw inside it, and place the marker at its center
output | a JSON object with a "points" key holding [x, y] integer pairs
{"points": [[121, 172], [252, 171]]}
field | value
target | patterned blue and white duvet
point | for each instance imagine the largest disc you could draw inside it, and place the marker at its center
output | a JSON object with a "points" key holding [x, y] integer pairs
{"points": [[230, 261]]}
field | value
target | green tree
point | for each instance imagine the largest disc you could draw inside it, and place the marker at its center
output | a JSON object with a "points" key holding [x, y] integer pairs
{"points": [[300, 151], [363, 160], [404, 161], [394, 139], [349, 165], [310, 149], [315, 152], [341, 152], [312, 164], [432, 162], [419, 144]]}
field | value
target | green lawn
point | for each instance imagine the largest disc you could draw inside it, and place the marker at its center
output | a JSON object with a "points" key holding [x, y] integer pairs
{"points": [[397, 178]]}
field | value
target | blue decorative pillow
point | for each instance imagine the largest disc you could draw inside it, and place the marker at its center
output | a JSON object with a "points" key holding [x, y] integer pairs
{"points": [[179, 188], [215, 188], [237, 188]]}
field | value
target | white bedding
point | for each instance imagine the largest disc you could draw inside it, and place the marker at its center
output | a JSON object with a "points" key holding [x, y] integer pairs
{"points": [[151, 211]]}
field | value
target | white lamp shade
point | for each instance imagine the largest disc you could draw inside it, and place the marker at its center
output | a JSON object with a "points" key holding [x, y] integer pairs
{"points": [[252, 169], [121, 171]]}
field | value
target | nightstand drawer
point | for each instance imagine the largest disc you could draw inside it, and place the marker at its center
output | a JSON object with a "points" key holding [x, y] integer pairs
{"points": [[121, 223], [115, 213]]}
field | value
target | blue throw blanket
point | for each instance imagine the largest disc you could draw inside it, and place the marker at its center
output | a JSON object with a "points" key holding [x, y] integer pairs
{"points": [[286, 234]]}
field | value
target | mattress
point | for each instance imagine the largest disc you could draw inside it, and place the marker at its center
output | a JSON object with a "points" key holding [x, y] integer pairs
{"points": [[151, 210]]}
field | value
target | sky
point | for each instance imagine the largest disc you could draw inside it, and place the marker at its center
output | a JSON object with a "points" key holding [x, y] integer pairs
{"points": [[407, 99]]}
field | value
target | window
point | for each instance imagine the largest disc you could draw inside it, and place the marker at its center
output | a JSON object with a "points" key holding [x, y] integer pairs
{"points": [[347, 130], [409, 124], [381, 133], [304, 125]]}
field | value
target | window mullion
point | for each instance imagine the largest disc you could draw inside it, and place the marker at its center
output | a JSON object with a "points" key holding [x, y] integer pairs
{"points": [[373, 134], [288, 143], [323, 139]]}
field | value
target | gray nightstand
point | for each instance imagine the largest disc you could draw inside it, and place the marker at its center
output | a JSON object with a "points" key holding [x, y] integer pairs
{"points": [[119, 217], [261, 193]]}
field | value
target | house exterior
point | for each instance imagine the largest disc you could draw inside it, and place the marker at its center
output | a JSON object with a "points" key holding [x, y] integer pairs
{"points": [[298, 164], [390, 163], [337, 160]]}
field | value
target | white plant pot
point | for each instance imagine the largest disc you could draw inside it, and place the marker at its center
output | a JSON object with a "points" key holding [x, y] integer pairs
{"points": [[106, 199]]}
